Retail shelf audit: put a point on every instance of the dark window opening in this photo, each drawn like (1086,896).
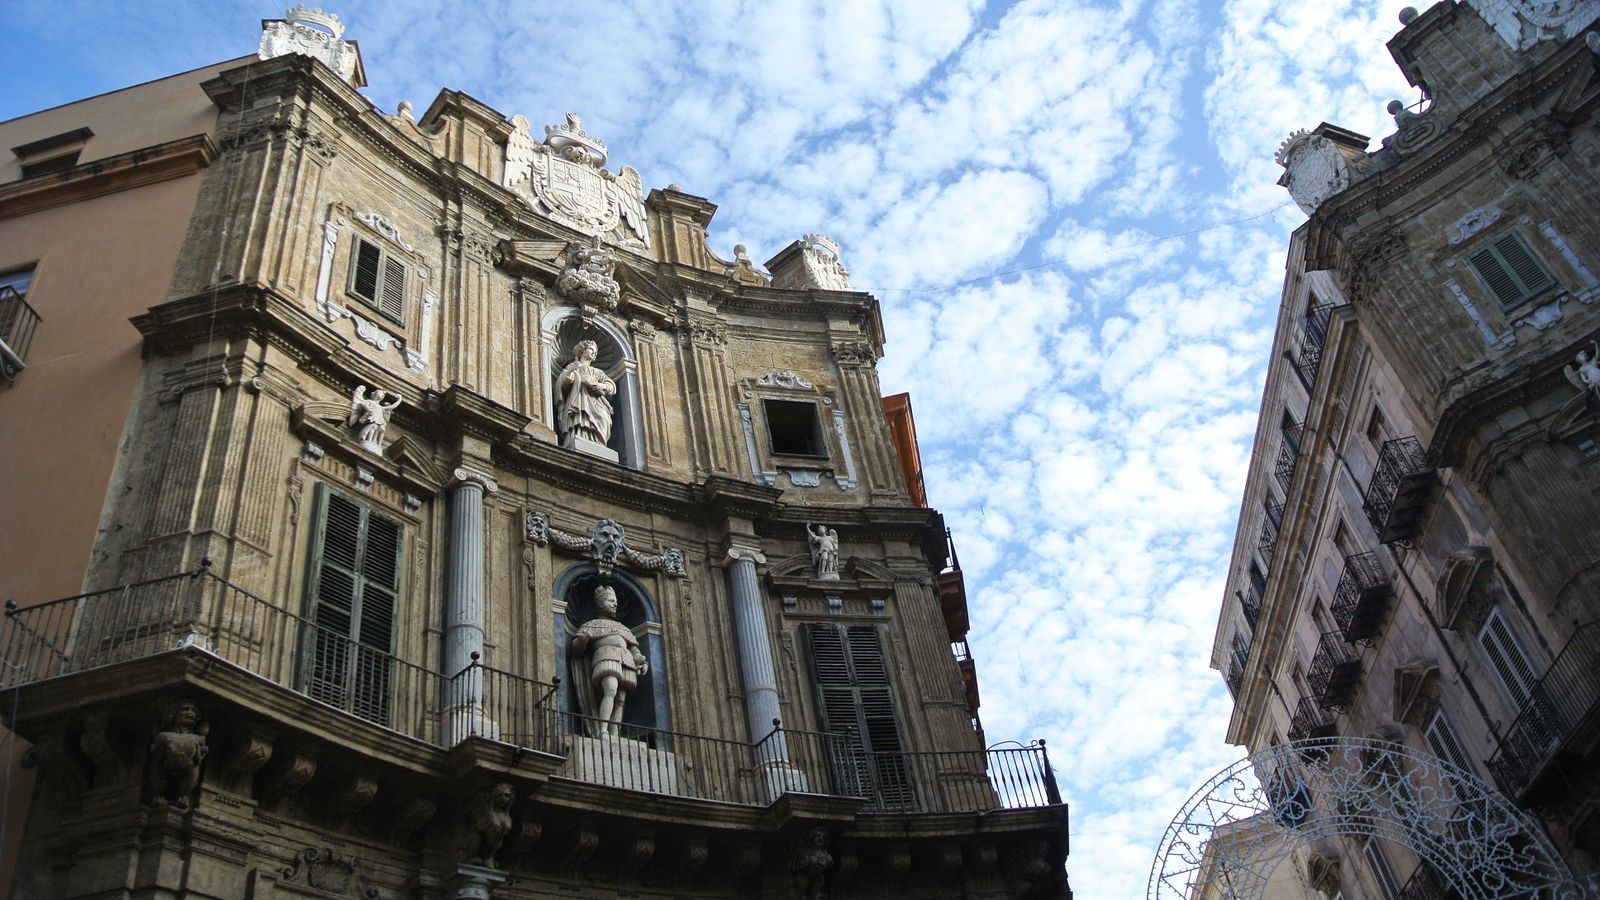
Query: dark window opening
(793,428)
(378,280)
(50,166)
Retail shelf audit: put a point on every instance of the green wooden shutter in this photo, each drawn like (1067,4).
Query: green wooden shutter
(364,275)
(392,301)
(354,588)
(855,697)
(1510,271)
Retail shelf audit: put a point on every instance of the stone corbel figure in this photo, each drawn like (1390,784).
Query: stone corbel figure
(824,551)
(369,416)
(488,823)
(176,752)
(589,279)
(1586,377)
(585,399)
(607,664)
(809,865)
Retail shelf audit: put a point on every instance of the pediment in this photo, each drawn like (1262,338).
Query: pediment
(1465,589)
(1416,692)
(412,458)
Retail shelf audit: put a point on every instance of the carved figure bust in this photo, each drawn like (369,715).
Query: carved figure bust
(369,416)
(1586,376)
(809,865)
(608,663)
(488,823)
(176,752)
(824,551)
(585,398)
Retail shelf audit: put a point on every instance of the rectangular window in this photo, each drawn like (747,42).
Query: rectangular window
(1510,270)
(49,166)
(18,320)
(1506,656)
(1388,884)
(793,428)
(855,699)
(56,153)
(379,280)
(353,586)
(1445,744)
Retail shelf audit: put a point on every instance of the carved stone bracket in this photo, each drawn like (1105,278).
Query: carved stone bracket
(606,546)
(857,353)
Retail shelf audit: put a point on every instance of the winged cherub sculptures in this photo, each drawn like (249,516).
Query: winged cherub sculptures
(1586,376)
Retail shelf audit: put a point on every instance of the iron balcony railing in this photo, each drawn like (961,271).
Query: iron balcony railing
(1288,455)
(1563,702)
(1288,796)
(1313,333)
(1250,603)
(1270,525)
(1425,884)
(1399,489)
(1235,676)
(1335,672)
(201,610)
(1362,598)
(1311,721)
(18,321)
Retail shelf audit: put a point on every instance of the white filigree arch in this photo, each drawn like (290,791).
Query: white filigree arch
(1251,817)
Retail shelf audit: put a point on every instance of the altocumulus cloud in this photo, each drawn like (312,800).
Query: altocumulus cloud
(1086,418)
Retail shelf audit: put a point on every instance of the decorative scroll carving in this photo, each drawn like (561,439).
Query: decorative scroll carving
(1472,223)
(386,228)
(858,353)
(819,267)
(606,546)
(327,870)
(744,270)
(783,379)
(1523,23)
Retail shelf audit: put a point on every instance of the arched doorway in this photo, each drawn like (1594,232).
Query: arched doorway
(1250,818)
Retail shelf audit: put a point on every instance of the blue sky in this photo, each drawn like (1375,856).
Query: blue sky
(1069,212)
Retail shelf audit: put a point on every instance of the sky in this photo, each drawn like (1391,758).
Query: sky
(1069,213)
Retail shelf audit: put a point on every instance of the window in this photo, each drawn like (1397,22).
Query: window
(793,428)
(1508,268)
(353,585)
(56,153)
(1507,658)
(1444,743)
(17,320)
(1377,427)
(379,280)
(1388,884)
(855,699)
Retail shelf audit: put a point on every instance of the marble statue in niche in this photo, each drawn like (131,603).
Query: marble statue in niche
(176,752)
(1586,376)
(824,551)
(607,663)
(369,416)
(586,402)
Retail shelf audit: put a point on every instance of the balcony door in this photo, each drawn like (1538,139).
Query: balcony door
(855,699)
(352,588)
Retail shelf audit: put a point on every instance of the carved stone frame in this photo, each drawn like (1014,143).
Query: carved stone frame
(786,471)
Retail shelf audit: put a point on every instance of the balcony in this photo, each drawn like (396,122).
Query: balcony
(1270,526)
(953,595)
(351,689)
(1362,598)
(1399,489)
(1250,603)
(1563,707)
(1426,884)
(1235,675)
(1311,722)
(1288,455)
(18,321)
(1289,798)
(1335,672)
(1308,355)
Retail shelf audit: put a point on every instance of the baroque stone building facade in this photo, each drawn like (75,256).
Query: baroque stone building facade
(461,525)
(1417,558)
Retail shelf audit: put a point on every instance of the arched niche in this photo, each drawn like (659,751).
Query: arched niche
(647,705)
(560,332)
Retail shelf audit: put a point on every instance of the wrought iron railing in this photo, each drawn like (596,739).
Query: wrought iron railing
(1288,455)
(1335,671)
(1563,700)
(1398,489)
(1425,884)
(1311,721)
(1362,597)
(1235,676)
(1270,525)
(1308,355)
(18,321)
(1250,603)
(201,610)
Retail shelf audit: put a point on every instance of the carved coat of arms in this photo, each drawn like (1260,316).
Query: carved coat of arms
(565,178)
(1314,169)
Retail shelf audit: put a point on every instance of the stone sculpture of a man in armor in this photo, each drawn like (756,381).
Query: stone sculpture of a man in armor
(608,661)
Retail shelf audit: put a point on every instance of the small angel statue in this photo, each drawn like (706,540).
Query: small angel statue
(1586,377)
(369,416)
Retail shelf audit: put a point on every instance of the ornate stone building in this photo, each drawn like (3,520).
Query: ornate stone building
(451,521)
(1418,559)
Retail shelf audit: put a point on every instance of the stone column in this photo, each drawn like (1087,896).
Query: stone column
(463,607)
(757,672)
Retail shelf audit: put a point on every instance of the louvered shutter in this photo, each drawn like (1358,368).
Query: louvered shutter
(1510,271)
(392,302)
(1382,872)
(879,725)
(855,698)
(368,267)
(354,588)
(1505,655)
(1444,743)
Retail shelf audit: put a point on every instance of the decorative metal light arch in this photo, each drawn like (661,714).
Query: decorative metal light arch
(1249,818)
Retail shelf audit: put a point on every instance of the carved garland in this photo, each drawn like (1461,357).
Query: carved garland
(606,546)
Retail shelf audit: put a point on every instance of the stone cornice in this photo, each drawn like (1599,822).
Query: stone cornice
(125,171)
(477,415)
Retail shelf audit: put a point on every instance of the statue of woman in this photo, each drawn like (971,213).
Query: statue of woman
(608,661)
(585,393)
